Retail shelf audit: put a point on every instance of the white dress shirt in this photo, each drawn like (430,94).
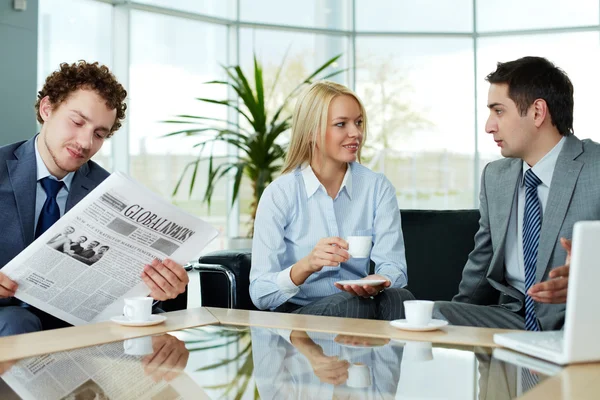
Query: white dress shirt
(295,212)
(513,255)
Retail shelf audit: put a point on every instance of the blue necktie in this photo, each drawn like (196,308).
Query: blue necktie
(532,223)
(50,212)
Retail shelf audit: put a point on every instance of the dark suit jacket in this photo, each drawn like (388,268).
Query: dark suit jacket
(18,180)
(574,196)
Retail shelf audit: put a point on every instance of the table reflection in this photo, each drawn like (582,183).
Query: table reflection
(226,362)
(303,365)
(146,367)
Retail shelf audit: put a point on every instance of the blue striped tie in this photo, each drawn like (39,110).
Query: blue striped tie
(532,222)
(50,211)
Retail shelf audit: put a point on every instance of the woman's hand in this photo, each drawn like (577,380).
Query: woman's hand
(330,252)
(366,290)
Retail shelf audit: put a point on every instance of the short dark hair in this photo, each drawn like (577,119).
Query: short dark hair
(532,78)
(83,75)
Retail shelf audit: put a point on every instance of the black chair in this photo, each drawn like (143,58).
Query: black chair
(437,245)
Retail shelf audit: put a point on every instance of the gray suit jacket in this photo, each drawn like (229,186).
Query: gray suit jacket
(574,196)
(18,179)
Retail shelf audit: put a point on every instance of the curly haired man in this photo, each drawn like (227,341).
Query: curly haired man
(80,106)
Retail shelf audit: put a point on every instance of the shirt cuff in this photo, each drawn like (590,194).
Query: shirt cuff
(285,283)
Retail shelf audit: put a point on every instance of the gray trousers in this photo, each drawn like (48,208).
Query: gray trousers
(467,314)
(385,306)
(15,320)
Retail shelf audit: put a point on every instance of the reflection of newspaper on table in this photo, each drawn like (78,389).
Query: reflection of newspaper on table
(100,372)
(82,268)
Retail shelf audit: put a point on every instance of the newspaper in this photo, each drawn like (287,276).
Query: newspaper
(83,267)
(100,372)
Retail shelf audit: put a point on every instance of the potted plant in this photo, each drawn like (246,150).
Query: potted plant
(257,136)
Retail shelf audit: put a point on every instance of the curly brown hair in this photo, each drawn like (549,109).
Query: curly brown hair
(71,77)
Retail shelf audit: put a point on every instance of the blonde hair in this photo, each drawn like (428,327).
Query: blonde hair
(309,121)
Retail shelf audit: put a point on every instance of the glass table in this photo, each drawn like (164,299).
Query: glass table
(234,362)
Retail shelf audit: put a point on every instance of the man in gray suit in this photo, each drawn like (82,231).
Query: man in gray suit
(80,106)
(514,276)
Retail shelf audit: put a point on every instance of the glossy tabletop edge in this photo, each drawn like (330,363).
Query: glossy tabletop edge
(453,335)
(52,341)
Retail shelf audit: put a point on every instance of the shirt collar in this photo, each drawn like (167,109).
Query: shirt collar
(544,169)
(42,170)
(312,183)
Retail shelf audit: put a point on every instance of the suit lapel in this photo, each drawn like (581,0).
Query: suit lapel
(506,187)
(80,186)
(564,178)
(23,179)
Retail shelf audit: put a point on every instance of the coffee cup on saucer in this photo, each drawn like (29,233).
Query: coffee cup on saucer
(138,308)
(359,246)
(417,351)
(418,312)
(359,376)
(138,346)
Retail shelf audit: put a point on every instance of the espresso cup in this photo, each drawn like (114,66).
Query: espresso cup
(359,376)
(139,346)
(418,312)
(138,308)
(359,246)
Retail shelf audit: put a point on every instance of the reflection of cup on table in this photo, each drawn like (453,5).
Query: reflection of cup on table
(418,312)
(359,376)
(138,308)
(138,346)
(359,246)
(417,351)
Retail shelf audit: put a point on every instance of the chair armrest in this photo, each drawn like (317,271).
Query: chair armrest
(229,269)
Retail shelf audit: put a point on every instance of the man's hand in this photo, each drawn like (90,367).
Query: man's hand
(365,290)
(165,279)
(8,287)
(554,290)
(6,365)
(168,359)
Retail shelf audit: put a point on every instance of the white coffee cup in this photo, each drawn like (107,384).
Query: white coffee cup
(138,346)
(359,376)
(417,351)
(359,246)
(138,308)
(418,312)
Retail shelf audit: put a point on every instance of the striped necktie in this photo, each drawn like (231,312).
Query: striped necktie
(532,223)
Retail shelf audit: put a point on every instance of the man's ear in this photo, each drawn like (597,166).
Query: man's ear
(540,112)
(45,108)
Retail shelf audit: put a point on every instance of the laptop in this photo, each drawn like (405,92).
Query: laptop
(579,341)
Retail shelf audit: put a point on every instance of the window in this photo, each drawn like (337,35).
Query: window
(57,44)
(419,97)
(171,59)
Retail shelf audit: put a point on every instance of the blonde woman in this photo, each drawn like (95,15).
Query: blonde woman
(323,196)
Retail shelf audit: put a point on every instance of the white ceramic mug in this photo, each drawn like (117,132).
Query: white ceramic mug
(359,376)
(418,312)
(138,308)
(138,346)
(359,246)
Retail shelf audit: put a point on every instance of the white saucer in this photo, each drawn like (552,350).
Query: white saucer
(432,326)
(363,282)
(155,319)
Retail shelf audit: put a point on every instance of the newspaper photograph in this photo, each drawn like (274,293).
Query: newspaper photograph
(102,372)
(81,269)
